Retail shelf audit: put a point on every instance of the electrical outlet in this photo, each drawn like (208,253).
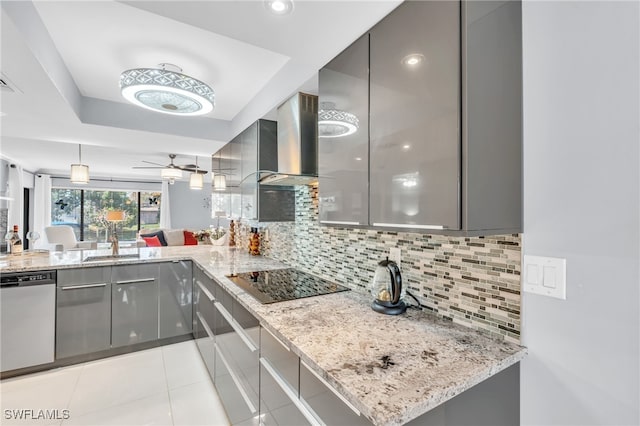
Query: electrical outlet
(394,255)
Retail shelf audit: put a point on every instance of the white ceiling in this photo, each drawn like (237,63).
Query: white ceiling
(63,60)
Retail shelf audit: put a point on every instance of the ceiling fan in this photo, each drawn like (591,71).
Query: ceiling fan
(193,168)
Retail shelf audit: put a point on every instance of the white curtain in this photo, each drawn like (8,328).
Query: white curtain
(165,210)
(42,208)
(16,193)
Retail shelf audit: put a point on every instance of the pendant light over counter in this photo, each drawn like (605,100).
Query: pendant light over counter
(196,181)
(163,90)
(79,172)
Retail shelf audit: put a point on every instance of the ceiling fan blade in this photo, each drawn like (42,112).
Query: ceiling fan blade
(151,162)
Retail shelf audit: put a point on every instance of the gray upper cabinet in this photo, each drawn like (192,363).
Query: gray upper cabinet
(445,122)
(492,116)
(134,304)
(83,311)
(175,289)
(343,159)
(252,151)
(415,117)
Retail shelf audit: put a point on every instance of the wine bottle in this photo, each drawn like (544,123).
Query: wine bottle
(15,242)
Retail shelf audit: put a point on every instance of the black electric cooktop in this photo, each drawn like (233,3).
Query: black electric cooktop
(279,285)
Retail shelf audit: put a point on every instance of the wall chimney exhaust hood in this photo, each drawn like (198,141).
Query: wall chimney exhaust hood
(297,142)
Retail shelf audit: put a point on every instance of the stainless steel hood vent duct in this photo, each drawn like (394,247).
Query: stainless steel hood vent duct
(297,142)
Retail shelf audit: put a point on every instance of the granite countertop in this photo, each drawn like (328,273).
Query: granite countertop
(391,368)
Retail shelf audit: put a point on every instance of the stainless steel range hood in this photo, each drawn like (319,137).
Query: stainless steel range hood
(297,142)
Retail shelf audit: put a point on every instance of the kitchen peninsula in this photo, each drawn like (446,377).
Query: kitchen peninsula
(390,369)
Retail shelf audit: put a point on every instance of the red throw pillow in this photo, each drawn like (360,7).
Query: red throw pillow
(152,241)
(190,239)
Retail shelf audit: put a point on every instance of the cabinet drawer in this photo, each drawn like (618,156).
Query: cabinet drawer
(326,402)
(240,402)
(280,357)
(205,342)
(84,276)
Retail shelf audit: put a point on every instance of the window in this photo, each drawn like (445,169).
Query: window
(66,209)
(149,210)
(85,211)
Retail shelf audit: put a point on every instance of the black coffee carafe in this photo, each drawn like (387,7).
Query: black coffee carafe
(386,289)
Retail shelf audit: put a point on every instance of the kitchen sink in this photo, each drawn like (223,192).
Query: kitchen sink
(110,257)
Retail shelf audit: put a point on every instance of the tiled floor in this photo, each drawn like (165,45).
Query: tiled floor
(161,386)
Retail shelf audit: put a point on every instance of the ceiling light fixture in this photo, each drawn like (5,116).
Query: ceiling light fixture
(279,7)
(171,174)
(196,181)
(163,90)
(334,123)
(79,172)
(413,60)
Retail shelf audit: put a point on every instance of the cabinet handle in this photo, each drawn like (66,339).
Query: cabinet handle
(306,411)
(141,280)
(78,287)
(205,325)
(206,291)
(236,381)
(236,327)
(331,388)
(402,225)
(277,340)
(339,222)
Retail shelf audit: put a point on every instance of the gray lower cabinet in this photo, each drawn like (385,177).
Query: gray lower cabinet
(175,288)
(83,311)
(327,403)
(279,378)
(134,304)
(236,358)
(204,318)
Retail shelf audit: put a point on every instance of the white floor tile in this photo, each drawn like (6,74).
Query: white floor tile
(127,390)
(197,404)
(50,390)
(151,410)
(118,380)
(183,364)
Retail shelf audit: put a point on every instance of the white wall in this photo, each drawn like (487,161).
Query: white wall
(188,207)
(581,202)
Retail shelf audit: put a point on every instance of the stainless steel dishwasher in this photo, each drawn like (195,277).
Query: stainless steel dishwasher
(27,319)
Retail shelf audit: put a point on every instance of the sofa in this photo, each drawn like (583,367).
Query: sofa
(167,237)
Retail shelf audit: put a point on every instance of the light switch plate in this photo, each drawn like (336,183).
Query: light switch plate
(545,275)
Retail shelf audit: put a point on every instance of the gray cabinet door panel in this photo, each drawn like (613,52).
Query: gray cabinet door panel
(134,304)
(175,288)
(83,319)
(415,117)
(84,276)
(343,161)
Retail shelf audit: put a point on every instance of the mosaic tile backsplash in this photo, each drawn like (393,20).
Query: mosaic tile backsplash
(473,281)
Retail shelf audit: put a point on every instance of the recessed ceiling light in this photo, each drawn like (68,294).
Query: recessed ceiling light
(279,7)
(358,158)
(413,59)
(406,147)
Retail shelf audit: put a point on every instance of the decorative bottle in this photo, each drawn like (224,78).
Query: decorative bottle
(254,242)
(232,233)
(15,242)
